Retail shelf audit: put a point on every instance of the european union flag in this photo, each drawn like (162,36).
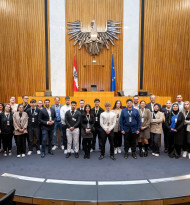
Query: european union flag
(113,84)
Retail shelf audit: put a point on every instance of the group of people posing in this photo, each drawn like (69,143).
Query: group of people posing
(138,123)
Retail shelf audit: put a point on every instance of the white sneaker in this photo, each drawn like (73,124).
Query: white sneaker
(156,155)
(119,150)
(65,152)
(10,152)
(62,147)
(38,152)
(189,155)
(184,154)
(153,154)
(91,150)
(129,149)
(72,151)
(5,154)
(115,151)
(54,147)
(18,156)
(23,155)
(29,152)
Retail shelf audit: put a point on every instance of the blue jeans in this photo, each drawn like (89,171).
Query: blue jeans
(47,134)
(57,126)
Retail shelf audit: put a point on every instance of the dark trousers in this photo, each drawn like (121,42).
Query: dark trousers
(21,143)
(7,141)
(172,146)
(111,141)
(1,140)
(87,145)
(27,139)
(117,139)
(186,142)
(166,136)
(34,138)
(64,127)
(98,131)
(155,139)
(47,134)
(130,141)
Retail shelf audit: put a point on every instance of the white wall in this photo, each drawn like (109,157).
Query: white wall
(57,47)
(130,46)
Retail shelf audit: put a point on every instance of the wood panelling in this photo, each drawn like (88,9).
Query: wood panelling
(22,48)
(167,48)
(94,73)
(104,97)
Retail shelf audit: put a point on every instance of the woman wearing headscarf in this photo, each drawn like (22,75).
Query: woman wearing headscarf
(175,124)
(156,130)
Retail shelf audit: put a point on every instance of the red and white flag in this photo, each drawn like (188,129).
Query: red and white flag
(75,77)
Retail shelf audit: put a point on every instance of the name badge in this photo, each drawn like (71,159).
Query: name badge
(175,120)
(50,118)
(73,119)
(130,119)
(56,114)
(8,122)
(96,119)
(33,119)
(142,119)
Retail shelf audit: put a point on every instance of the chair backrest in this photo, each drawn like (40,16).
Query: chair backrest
(8,198)
(93,88)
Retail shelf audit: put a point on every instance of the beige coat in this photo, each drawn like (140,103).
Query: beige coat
(156,124)
(118,114)
(20,125)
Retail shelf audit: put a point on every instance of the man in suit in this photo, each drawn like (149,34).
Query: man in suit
(81,110)
(96,111)
(47,118)
(150,105)
(57,125)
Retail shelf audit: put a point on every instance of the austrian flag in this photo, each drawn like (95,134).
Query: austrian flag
(75,77)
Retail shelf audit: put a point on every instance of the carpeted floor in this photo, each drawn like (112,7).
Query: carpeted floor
(58,167)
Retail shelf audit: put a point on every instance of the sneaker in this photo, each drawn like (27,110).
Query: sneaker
(18,156)
(10,152)
(91,150)
(126,155)
(101,157)
(153,154)
(23,155)
(184,154)
(76,155)
(38,152)
(119,150)
(156,155)
(68,155)
(65,151)
(62,147)
(189,155)
(115,151)
(72,151)
(29,152)
(54,147)
(134,155)
(5,154)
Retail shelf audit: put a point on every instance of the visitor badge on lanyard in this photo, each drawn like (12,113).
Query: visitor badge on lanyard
(96,119)
(130,119)
(8,122)
(50,118)
(33,119)
(56,114)
(142,119)
(175,120)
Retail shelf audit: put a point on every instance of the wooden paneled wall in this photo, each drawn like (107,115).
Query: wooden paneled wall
(22,48)
(94,73)
(167,48)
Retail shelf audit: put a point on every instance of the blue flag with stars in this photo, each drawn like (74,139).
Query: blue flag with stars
(113,83)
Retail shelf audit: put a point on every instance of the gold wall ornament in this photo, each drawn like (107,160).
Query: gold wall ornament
(93,41)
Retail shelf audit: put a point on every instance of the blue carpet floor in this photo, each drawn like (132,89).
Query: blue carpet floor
(58,167)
